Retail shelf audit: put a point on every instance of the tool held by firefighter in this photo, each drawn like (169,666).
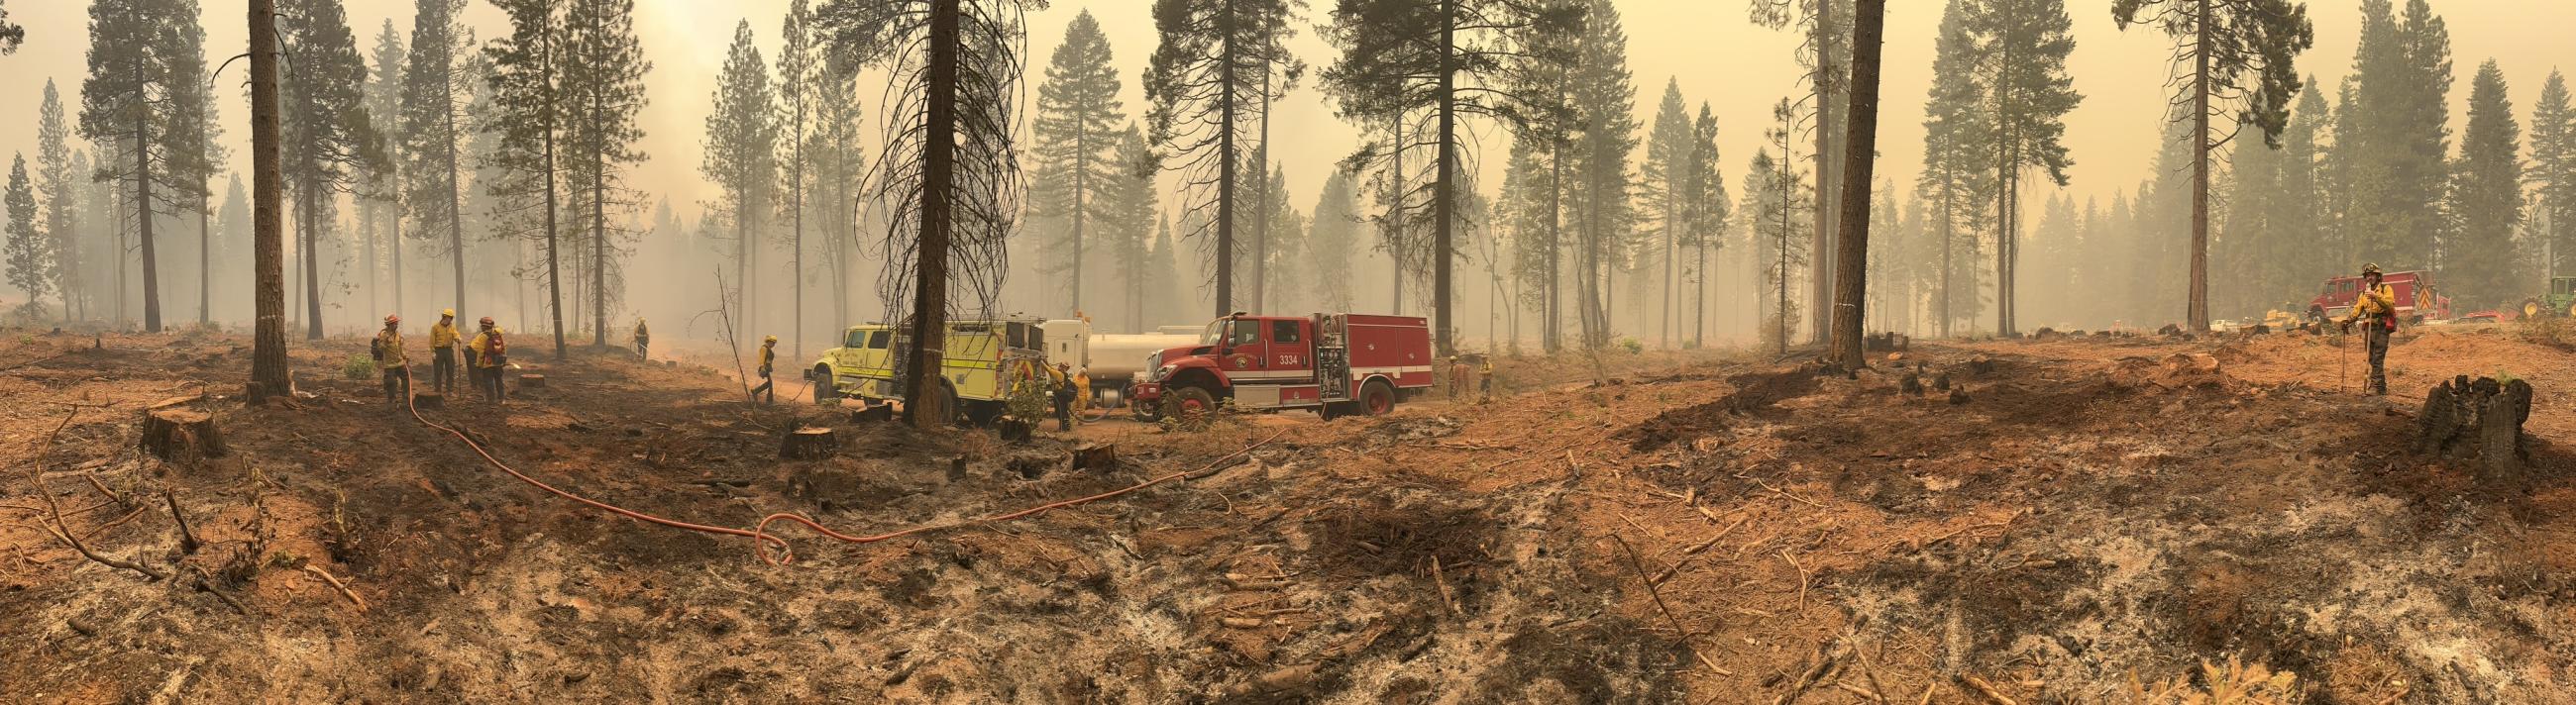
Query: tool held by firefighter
(490,356)
(2376,311)
(442,352)
(388,352)
(768,357)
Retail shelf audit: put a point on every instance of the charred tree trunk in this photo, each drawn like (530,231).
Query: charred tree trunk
(1554,327)
(1860,149)
(1445,209)
(268,352)
(1225,168)
(1828,186)
(921,398)
(455,211)
(2196,314)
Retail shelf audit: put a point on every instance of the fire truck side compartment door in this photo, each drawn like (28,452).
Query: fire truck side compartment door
(1256,396)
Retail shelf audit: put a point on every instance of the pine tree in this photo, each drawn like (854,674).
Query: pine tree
(2399,144)
(1954,154)
(1449,60)
(268,370)
(529,118)
(1075,131)
(2477,249)
(1216,58)
(2266,243)
(2220,42)
(2021,57)
(1858,172)
(1128,205)
(233,247)
(22,247)
(1704,214)
(434,94)
(1772,196)
(328,135)
(2553,172)
(380,196)
(741,153)
(1334,235)
(1666,171)
(1604,95)
(1825,56)
(11,35)
(838,165)
(54,179)
(603,91)
(795,92)
(137,64)
(950,164)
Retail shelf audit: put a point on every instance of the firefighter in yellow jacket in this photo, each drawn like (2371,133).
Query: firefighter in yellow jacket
(388,352)
(2376,311)
(442,352)
(768,358)
(491,355)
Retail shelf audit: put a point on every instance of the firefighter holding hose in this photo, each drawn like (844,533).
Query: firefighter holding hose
(388,351)
(2376,311)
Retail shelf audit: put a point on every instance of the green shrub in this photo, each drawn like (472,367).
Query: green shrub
(358,367)
(1631,345)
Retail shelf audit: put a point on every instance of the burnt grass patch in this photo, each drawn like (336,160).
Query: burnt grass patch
(1385,537)
(1754,395)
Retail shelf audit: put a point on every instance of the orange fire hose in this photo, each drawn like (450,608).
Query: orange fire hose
(762,541)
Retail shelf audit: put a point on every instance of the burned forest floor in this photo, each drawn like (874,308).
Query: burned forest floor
(2071,520)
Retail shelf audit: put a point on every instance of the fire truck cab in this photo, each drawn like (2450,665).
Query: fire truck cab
(2417,299)
(1335,363)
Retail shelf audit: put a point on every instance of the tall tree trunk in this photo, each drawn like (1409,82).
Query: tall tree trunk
(939,162)
(307,199)
(455,204)
(368,219)
(1828,186)
(796,213)
(1082,192)
(1554,327)
(1699,300)
(599,231)
(1261,217)
(1860,149)
(205,259)
(1395,215)
(268,337)
(143,200)
(1225,167)
(1445,211)
(2196,315)
(554,280)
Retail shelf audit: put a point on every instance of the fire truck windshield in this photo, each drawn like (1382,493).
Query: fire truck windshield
(1245,332)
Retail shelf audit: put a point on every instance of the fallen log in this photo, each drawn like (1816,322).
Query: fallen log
(173,434)
(532,381)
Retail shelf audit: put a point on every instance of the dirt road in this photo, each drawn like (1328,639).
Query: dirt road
(2063,527)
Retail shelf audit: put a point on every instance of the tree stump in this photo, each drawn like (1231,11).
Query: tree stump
(872,413)
(532,381)
(1099,456)
(428,400)
(1014,429)
(175,434)
(809,443)
(2480,419)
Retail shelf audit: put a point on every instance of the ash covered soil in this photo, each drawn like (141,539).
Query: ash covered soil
(2078,524)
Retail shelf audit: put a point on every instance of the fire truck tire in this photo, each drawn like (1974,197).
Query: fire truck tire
(827,391)
(2531,309)
(1376,398)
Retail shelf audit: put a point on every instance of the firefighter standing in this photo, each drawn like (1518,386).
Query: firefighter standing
(2376,311)
(388,352)
(768,357)
(1457,378)
(643,340)
(442,352)
(1485,376)
(489,354)
(1063,397)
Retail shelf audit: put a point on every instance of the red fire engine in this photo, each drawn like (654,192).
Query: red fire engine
(1336,363)
(2417,300)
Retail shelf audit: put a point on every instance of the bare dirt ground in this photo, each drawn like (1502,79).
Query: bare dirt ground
(2072,527)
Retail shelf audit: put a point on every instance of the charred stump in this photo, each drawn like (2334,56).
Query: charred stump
(1095,456)
(872,413)
(809,443)
(2477,419)
(1014,429)
(428,400)
(174,434)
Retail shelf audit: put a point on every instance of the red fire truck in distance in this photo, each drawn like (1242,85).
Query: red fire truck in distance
(1338,364)
(2417,299)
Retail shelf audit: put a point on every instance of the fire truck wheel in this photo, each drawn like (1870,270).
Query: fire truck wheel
(825,390)
(2531,309)
(1376,399)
